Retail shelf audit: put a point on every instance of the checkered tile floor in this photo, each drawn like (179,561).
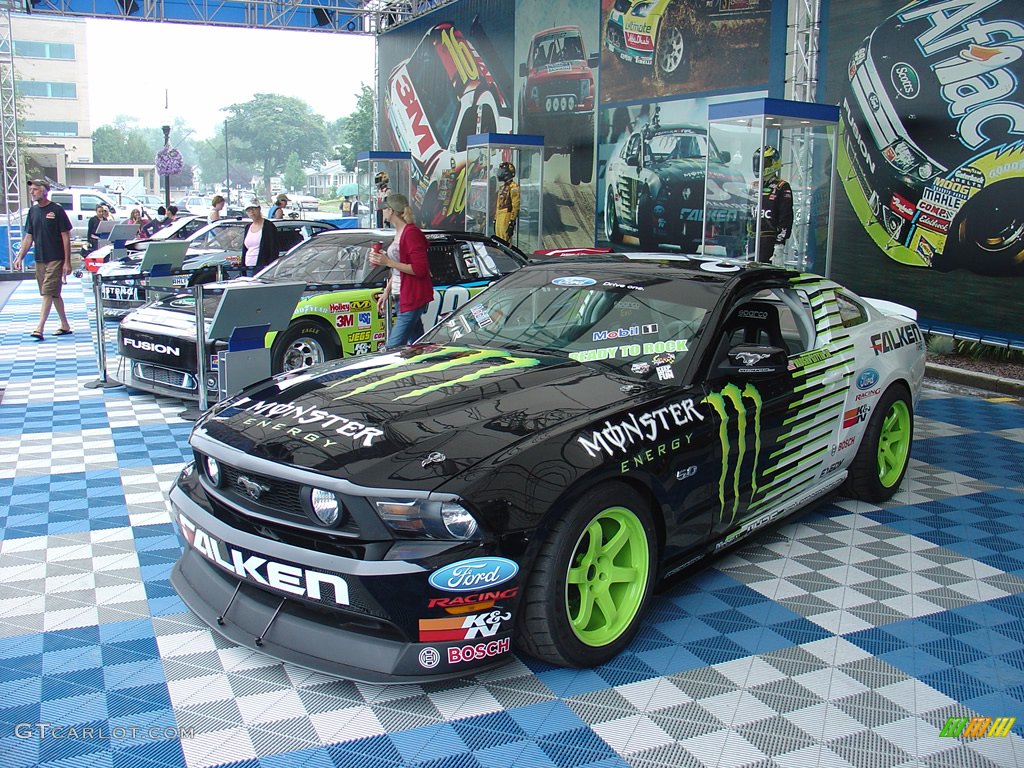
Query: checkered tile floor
(845,638)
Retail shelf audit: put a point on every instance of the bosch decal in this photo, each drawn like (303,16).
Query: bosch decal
(479,652)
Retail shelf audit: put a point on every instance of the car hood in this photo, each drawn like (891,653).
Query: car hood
(681,171)
(410,419)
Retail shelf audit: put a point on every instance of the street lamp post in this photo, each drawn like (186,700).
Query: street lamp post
(167,179)
(227,164)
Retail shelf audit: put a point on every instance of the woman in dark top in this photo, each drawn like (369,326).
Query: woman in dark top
(260,244)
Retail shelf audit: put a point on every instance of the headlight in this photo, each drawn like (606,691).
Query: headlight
(925,171)
(325,506)
(421,519)
(213,470)
(640,10)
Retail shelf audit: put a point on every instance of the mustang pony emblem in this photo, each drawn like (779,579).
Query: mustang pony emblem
(750,358)
(252,488)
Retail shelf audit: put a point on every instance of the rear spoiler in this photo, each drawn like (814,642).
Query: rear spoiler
(892,308)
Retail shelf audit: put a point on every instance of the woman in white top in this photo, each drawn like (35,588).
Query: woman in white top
(260,243)
(217,205)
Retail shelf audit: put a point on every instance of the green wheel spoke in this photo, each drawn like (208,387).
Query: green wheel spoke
(609,609)
(623,574)
(586,608)
(616,542)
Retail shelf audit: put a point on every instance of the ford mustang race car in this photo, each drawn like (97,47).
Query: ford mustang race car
(336,317)
(524,475)
(558,96)
(663,33)
(932,126)
(218,244)
(655,190)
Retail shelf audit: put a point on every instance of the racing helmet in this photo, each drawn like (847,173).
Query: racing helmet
(381,179)
(506,171)
(772,161)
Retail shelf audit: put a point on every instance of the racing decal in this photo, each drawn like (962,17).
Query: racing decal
(474,574)
(286,416)
(731,405)
(888,341)
(479,652)
(419,364)
(746,528)
(867,378)
(475,602)
(649,455)
(622,333)
(632,350)
(809,358)
(855,416)
(842,445)
(867,393)
(574,282)
(256,569)
(151,346)
(612,439)
(429,658)
(344,321)
(473,627)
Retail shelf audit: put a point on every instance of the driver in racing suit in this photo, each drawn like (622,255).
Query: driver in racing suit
(776,206)
(506,208)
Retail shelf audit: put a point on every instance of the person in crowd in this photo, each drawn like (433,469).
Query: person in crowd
(261,246)
(277,209)
(216,206)
(92,233)
(135,217)
(152,226)
(408,255)
(49,229)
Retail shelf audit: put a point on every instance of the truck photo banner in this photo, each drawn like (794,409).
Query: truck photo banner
(931,157)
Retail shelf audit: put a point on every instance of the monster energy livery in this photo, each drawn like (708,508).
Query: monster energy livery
(522,477)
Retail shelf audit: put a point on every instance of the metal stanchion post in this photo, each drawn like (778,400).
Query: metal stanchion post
(191,414)
(101,338)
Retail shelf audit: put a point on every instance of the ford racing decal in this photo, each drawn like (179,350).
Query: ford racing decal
(573,282)
(867,379)
(474,575)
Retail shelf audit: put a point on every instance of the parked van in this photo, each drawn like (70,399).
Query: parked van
(80,204)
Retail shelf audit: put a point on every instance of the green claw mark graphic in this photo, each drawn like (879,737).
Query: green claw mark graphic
(732,395)
(403,369)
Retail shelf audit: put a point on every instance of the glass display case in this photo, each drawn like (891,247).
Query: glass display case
(377,175)
(777,198)
(505,175)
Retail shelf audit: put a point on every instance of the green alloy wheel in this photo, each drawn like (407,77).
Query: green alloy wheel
(884,453)
(591,580)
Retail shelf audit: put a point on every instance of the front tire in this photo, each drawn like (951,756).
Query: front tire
(591,581)
(611,218)
(303,344)
(645,222)
(884,453)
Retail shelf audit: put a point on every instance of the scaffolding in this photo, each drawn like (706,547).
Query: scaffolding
(12,212)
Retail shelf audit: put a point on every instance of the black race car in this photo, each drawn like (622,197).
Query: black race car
(524,475)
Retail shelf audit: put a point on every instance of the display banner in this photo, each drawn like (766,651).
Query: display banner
(931,157)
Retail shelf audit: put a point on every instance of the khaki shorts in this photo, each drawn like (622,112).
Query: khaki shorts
(50,276)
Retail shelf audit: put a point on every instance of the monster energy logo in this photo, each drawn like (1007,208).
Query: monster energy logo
(448,359)
(731,406)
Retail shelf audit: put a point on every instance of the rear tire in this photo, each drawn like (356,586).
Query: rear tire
(884,454)
(611,218)
(591,581)
(645,222)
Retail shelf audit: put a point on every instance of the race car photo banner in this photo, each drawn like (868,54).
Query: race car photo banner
(931,157)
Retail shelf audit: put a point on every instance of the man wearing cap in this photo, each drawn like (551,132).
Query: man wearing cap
(48,227)
(277,209)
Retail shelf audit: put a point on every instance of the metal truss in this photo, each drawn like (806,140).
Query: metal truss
(12,214)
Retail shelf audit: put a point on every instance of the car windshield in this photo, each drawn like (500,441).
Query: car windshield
(678,146)
(327,260)
(631,323)
(228,237)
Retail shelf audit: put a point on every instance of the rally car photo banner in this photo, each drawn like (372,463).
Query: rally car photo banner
(931,157)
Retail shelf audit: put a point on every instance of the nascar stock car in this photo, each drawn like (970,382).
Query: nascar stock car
(663,33)
(436,99)
(656,183)
(523,475)
(558,95)
(336,317)
(932,126)
(211,249)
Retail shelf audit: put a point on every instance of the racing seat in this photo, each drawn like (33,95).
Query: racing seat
(753,322)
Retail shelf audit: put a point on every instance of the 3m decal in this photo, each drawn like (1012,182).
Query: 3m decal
(462,627)
(612,438)
(731,405)
(474,574)
(479,651)
(976,727)
(345,321)
(251,567)
(452,358)
(855,416)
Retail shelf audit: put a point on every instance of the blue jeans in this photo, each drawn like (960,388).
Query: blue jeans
(408,327)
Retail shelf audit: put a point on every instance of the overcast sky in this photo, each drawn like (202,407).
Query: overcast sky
(204,69)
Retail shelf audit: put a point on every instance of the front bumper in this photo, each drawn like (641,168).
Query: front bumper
(359,640)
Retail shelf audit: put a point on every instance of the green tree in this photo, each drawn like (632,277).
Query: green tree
(294,178)
(122,142)
(270,127)
(357,132)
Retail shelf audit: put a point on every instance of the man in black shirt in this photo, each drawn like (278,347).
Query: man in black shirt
(48,227)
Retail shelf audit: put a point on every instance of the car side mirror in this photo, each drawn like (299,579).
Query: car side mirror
(726,156)
(754,361)
(522,70)
(593,60)
(633,159)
